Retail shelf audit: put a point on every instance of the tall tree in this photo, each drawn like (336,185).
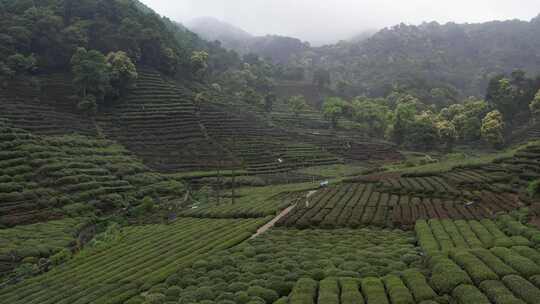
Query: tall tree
(447,133)
(123,73)
(373,115)
(492,128)
(297,104)
(404,116)
(534,106)
(91,73)
(333,109)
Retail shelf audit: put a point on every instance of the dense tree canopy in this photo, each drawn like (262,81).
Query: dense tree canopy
(333,109)
(492,128)
(52,30)
(297,104)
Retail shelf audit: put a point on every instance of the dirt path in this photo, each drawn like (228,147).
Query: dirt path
(271,224)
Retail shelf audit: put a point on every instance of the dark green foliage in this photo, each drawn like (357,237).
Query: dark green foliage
(476,269)
(465,294)
(522,288)
(268,295)
(533,189)
(373,290)
(417,284)
(493,262)
(328,291)
(498,293)
(284,300)
(397,291)
(535,280)
(425,237)
(446,275)
(350,291)
(304,292)
(91,73)
(523,265)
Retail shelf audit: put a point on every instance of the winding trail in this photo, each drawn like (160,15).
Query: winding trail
(271,224)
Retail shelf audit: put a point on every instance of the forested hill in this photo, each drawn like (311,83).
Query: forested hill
(455,59)
(279,49)
(460,57)
(45,34)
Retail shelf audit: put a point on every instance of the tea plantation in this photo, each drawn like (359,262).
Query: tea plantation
(164,196)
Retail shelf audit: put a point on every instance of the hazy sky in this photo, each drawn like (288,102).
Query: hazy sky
(332,20)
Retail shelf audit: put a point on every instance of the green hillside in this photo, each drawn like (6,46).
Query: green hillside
(141,164)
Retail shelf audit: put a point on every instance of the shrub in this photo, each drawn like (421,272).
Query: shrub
(446,275)
(154,298)
(493,262)
(78,209)
(425,237)
(528,252)
(523,265)
(204,293)
(282,287)
(283,300)
(328,291)
(444,240)
(268,295)
(399,294)
(467,294)
(172,280)
(468,234)
(476,269)
(498,293)
(533,189)
(173,292)
(350,293)
(483,234)
(522,288)
(304,292)
(60,257)
(146,206)
(242,297)
(519,240)
(535,280)
(373,289)
(418,285)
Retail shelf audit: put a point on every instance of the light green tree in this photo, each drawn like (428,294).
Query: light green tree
(333,109)
(447,133)
(534,106)
(492,128)
(91,73)
(123,73)
(297,104)
(422,131)
(375,116)
(199,63)
(403,118)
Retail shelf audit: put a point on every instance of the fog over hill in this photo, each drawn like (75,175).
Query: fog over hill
(326,22)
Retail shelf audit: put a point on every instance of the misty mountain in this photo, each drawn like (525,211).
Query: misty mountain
(460,58)
(212,29)
(278,48)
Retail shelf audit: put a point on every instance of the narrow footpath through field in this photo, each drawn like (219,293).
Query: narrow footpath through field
(271,224)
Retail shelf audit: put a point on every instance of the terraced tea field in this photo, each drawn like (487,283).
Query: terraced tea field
(46,177)
(269,267)
(355,205)
(45,109)
(158,122)
(38,240)
(141,257)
